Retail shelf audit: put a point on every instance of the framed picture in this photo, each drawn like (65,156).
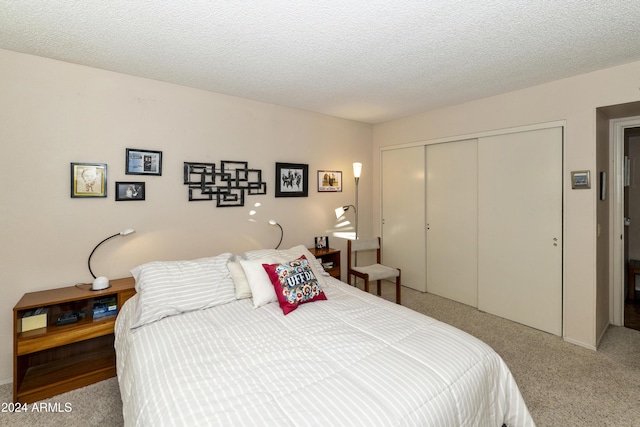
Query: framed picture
(129,191)
(88,180)
(329,181)
(580,180)
(322,242)
(143,162)
(292,180)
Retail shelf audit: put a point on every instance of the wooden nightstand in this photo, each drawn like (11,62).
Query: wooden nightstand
(329,255)
(56,359)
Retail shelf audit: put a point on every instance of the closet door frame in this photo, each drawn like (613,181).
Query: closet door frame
(478,135)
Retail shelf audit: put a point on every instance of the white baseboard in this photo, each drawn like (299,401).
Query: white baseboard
(581,344)
(604,331)
(6,381)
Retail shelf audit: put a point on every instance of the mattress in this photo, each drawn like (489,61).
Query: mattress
(354,359)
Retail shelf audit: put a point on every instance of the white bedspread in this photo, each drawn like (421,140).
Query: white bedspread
(354,359)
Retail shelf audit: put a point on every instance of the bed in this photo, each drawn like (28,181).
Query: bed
(190,353)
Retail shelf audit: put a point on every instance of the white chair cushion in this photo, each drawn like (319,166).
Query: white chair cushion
(364,244)
(377,271)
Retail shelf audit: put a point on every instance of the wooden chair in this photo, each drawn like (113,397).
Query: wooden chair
(373,272)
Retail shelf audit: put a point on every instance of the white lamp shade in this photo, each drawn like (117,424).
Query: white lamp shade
(339,211)
(357,168)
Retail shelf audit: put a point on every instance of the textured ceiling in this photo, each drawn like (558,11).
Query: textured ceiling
(369,61)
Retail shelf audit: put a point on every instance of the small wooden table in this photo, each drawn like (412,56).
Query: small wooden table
(329,255)
(633,267)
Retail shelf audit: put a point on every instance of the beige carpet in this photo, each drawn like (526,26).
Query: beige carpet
(563,384)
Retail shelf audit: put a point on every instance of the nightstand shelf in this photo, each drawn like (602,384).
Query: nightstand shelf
(44,380)
(328,255)
(55,359)
(56,336)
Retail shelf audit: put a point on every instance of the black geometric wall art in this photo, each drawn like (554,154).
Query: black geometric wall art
(227,184)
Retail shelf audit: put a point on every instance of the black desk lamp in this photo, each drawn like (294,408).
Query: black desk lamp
(102,282)
(273,222)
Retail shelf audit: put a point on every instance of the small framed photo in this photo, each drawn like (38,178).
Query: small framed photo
(88,180)
(322,242)
(143,162)
(292,180)
(329,181)
(580,180)
(129,191)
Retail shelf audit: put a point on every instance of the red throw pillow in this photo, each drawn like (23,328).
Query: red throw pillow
(294,283)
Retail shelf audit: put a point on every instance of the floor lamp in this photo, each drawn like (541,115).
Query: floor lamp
(357,168)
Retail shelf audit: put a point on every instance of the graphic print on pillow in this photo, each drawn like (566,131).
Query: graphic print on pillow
(294,283)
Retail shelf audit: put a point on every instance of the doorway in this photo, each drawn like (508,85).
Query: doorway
(618,119)
(632,224)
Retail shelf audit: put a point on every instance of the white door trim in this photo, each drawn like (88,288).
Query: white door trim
(478,135)
(617,262)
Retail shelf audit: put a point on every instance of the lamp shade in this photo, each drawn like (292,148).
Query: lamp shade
(342,209)
(357,169)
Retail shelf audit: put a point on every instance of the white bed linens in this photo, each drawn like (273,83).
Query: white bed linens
(354,359)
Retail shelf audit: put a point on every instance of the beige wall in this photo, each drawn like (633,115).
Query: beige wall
(574,101)
(54,113)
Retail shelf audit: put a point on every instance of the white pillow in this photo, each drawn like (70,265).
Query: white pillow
(259,254)
(285,255)
(262,290)
(239,280)
(167,288)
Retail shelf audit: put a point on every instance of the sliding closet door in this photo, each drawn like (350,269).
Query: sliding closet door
(452,221)
(520,227)
(403,235)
